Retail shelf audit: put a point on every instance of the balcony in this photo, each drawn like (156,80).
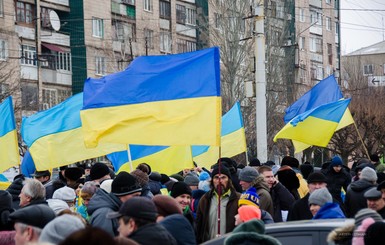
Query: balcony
(61,2)
(316,3)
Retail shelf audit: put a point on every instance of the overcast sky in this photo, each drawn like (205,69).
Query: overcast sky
(361,25)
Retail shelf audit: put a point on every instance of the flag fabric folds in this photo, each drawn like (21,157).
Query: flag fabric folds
(55,136)
(27,166)
(163,159)
(158,100)
(316,126)
(9,149)
(233,139)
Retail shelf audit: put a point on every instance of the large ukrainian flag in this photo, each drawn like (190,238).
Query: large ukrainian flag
(9,149)
(233,140)
(55,136)
(163,159)
(316,126)
(158,100)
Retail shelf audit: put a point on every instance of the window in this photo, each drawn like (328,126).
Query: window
(164,10)
(316,17)
(190,16)
(317,71)
(180,14)
(280,10)
(49,98)
(149,38)
(147,5)
(28,55)
(1,8)
(3,50)
(337,28)
(302,15)
(100,65)
(97,27)
(165,41)
(330,53)
(29,96)
(24,12)
(328,23)
(122,31)
(63,61)
(273,9)
(45,21)
(368,69)
(301,43)
(217,20)
(315,45)
(327,1)
(185,46)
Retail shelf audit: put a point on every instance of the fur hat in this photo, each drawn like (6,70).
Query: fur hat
(73,173)
(320,197)
(191,179)
(249,197)
(248,174)
(35,215)
(58,229)
(99,170)
(180,188)
(140,176)
(306,170)
(368,174)
(255,162)
(336,161)
(125,184)
(166,205)
(248,212)
(39,174)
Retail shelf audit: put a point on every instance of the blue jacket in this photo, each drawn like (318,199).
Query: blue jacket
(330,210)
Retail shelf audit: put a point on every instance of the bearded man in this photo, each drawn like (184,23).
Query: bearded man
(207,214)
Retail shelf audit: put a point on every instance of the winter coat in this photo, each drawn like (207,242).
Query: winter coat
(282,200)
(263,191)
(152,234)
(203,214)
(341,235)
(196,196)
(180,229)
(300,210)
(337,181)
(15,189)
(7,237)
(354,199)
(99,206)
(330,210)
(266,217)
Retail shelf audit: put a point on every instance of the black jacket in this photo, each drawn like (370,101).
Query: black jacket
(282,200)
(336,181)
(300,210)
(354,199)
(152,234)
(180,228)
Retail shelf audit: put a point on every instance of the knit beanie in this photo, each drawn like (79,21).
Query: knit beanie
(248,212)
(248,174)
(180,188)
(320,197)
(249,197)
(73,173)
(366,213)
(166,205)
(368,174)
(125,184)
(59,228)
(99,170)
(336,161)
(255,162)
(306,170)
(191,179)
(375,233)
(204,176)
(224,171)
(316,177)
(140,176)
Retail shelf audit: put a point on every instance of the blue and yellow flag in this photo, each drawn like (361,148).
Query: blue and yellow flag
(163,159)
(158,100)
(55,136)
(9,149)
(316,126)
(233,140)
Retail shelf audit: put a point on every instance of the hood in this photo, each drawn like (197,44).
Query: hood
(360,185)
(259,182)
(341,234)
(102,199)
(180,228)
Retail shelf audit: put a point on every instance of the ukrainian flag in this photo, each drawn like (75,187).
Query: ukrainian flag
(316,126)
(158,100)
(233,139)
(9,149)
(55,136)
(163,159)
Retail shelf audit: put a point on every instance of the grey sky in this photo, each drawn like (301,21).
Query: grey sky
(361,28)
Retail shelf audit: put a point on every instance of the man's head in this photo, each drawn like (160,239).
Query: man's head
(32,190)
(318,198)
(30,221)
(125,186)
(99,172)
(66,194)
(268,175)
(369,174)
(182,194)
(87,191)
(247,176)
(133,214)
(374,199)
(221,181)
(166,205)
(42,176)
(192,180)
(336,163)
(316,181)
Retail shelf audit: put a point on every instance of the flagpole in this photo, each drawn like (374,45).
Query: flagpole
(359,135)
(220,192)
(129,157)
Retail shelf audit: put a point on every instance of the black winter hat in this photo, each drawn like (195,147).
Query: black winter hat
(5,200)
(98,170)
(35,215)
(73,173)
(180,188)
(125,184)
(306,170)
(137,207)
(316,177)
(375,233)
(224,171)
(43,173)
(228,163)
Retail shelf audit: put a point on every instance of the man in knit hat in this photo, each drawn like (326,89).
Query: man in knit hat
(207,213)
(300,209)
(249,177)
(123,187)
(354,199)
(251,198)
(322,206)
(182,194)
(375,201)
(99,172)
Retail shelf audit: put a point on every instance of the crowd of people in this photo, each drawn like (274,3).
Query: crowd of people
(90,204)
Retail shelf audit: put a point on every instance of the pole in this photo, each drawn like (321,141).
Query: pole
(362,141)
(260,83)
(129,157)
